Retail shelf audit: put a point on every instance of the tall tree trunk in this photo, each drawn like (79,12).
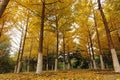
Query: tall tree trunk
(40,54)
(1,29)
(68,56)
(3,6)
(22,52)
(57,46)
(19,52)
(99,46)
(92,51)
(28,63)
(47,59)
(118,35)
(90,57)
(110,42)
(63,51)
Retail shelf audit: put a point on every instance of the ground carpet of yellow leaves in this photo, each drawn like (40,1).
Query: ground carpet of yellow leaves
(63,75)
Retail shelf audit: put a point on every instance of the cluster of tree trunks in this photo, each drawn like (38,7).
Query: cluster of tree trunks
(21,47)
(99,45)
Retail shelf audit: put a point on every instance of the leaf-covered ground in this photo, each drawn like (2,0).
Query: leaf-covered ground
(63,75)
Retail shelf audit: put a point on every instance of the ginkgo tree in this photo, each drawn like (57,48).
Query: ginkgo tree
(110,42)
(85,24)
(48,46)
(58,20)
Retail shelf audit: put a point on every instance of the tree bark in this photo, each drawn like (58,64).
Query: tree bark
(47,59)
(102,62)
(57,45)
(40,54)
(3,7)
(99,46)
(90,57)
(68,56)
(22,52)
(118,35)
(92,51)
(63,51)
(28,63)
(1,29)
(110,42)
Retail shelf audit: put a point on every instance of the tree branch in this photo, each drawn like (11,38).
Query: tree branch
(28,8)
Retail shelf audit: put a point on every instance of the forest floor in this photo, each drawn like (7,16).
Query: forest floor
(63,75)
